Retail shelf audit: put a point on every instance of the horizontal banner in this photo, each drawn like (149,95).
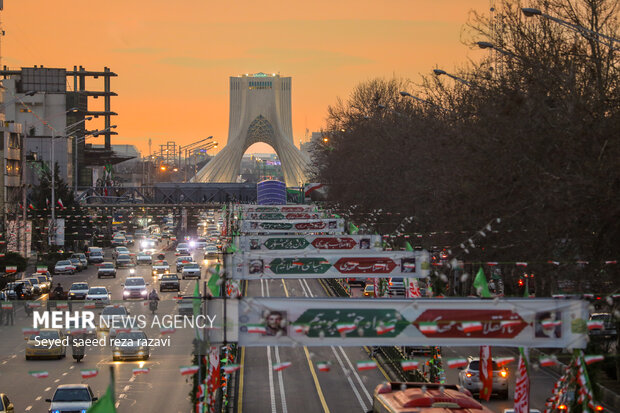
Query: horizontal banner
(422,322)
(319,264)
(314,226)
(280,215)
(310,243)
(245,208)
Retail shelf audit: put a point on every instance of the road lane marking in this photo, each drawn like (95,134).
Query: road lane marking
(47,389)
(285,289)
(65,373)
(56,381)
(122,396)
(28,408)
(71,368)
(357,394)
(38,398)
(381,369)
(126,388)
(357,376)
(281,380)
(117,404)
(271,388)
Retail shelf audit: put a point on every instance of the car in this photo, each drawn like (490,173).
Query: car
(118,240)
(201,243)
(140,234)
(35,348)
(160,267)
(113,317)
(99,295)
(148,245)
(211,251)
(71,398)
(182,249)
(369,290)
(169,282)
(609,326)
(396,286)
(96,256)
(134,287)
(106,269)
(34,282)
(77,263)
(182,260)
(131,345)
(120,250)
(191,270)
(26,294)
(5,404)
(144,258)
(469,378)
(78,291)
(130,239)
(123,260)
(82,258)
(64,267)
(44,282)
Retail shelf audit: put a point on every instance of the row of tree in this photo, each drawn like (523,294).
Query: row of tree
(531,135)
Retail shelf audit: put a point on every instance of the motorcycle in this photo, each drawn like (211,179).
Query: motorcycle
(153,306)
(78,352)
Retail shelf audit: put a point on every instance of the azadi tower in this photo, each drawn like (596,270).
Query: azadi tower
(260,111)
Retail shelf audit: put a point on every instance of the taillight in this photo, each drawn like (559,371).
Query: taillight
(468,374)
(562,407)
(503,373)
(599,408)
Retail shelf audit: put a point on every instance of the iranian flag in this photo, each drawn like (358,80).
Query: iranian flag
(41,268)
(346,327)
(300,328)
(39,374)
(11,269)
(366,365)
(34,304)
(486,372)
(596,325)
(167,330)
(7,306)
(60,204)
(282,366)
(510,323)
(28,331)
(471,326)
(323,365)
(142,370)
(455,363)
(89,306)
(593,358)
(230,368)
(186,370)
(257,328)
(547,361)
(89,373)
(428,327)
(551,323)
(386,328)
(521,264)
(502,361)
(522,386)
(409,365)
(62,306)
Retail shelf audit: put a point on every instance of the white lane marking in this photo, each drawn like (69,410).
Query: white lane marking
(126,388)
(4,362)
(281,380)
(38,398)
(357,376)
(71,368)
(65,373)
(56,381)
(116,405)
(122,396)
(47,389)
(13,356)
(272,392)
(357,394)
(28,408)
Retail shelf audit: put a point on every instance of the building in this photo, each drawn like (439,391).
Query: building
(308,147)
(260,111)
(55,119)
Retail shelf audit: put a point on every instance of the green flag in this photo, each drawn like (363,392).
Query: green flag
(480,284)
(212,283)
(353,229)
(232,248)
(408,246)
(336,216)
(104,404)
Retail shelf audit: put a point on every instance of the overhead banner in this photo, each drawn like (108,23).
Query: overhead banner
(423,322)
(277,208)
(309,243)
(281,215)
(318,264)
(335,226)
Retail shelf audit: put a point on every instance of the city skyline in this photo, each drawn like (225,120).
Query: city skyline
(174,66)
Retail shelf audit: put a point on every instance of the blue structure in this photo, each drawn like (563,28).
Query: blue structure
(271,193)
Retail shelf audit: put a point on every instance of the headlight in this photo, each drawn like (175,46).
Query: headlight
(71,293)
(143,292)
(125,292)
(55,411)
(117,352)
(192,244)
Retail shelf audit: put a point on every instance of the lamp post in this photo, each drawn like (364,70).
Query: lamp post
(439,72)
(530,12)
(487,45)
(186,147)
(409,95)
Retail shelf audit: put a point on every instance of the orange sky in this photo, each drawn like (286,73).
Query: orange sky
(173,58)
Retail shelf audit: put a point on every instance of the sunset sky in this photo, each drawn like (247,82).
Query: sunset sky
(174,58)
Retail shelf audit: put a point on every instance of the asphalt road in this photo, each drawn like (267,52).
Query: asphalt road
(162,389)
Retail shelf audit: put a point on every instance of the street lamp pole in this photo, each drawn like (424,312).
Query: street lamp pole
(440,72)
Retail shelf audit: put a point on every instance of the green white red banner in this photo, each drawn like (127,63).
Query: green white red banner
(310,243)
(312,226)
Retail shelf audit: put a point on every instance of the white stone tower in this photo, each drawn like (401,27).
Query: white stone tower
(260,111)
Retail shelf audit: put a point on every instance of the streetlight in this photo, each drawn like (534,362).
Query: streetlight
(409,95)
(530,12)
(439,72)
(487,45)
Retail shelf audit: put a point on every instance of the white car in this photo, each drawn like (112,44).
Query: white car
(211,251)
(78,291)
(64,267)
(71,398)
(113,318)
(182,249)
(99,295)
(159,268)
(191,270)
(148,245)
(134,287)
(120,251)
(144,258)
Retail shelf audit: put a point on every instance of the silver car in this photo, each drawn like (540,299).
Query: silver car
(130,346)
(71,398)
(469,377)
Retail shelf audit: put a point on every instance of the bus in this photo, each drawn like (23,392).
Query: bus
(404,397)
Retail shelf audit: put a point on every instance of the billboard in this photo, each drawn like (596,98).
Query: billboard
(518,322)
(320,264)
(334,225)
(310,243)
